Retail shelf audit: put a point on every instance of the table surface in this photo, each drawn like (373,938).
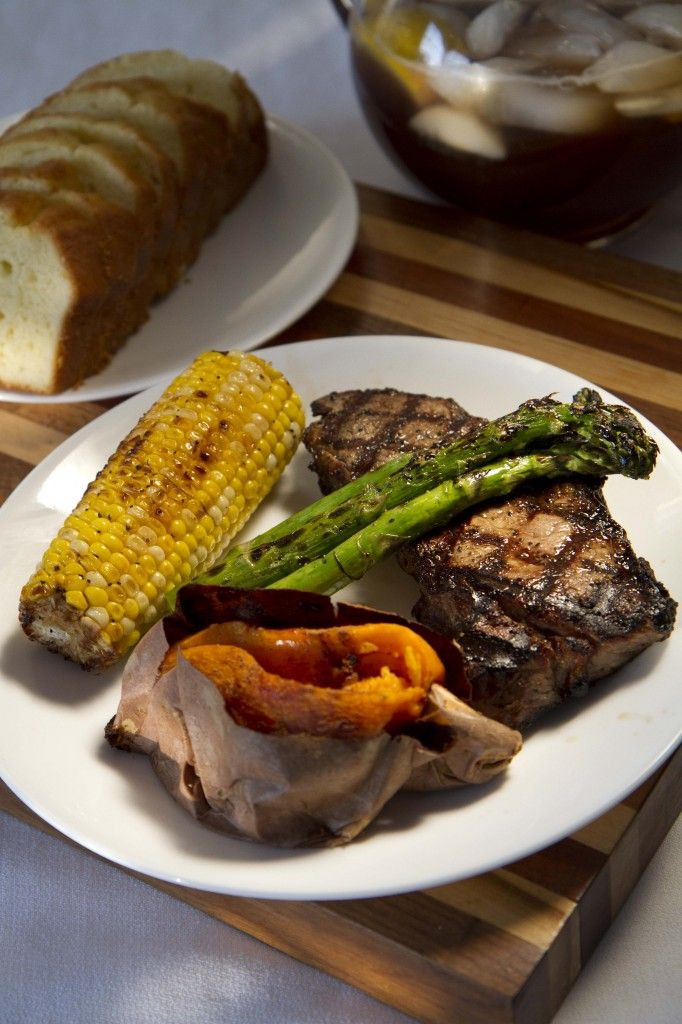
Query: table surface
(82,941)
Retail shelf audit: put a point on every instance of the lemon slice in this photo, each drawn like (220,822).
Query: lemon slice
(416,34)
(408,34)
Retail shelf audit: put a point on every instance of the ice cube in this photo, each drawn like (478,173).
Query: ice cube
(510,65)
(663,103)
(586,19)
(470,86)
(619,6)
(489,31)
(464,85)
(557,51)
(636,66)
(432,47)
(548,107)
(459,130)
(660,23)
(446,13)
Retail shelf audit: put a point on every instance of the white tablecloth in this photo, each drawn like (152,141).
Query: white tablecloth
(80,941)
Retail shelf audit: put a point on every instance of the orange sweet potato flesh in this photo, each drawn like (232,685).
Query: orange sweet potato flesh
(345,682)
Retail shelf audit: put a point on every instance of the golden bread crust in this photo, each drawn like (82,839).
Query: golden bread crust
(114,182)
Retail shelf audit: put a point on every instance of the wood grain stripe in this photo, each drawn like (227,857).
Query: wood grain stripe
(529,913)
(436,317)
(12,472)
(516,308)
(332,320)
(329,319)
(25,440)
(507,274)
(604,833)
(566,869)
(66,418)
(451,937)
(639,796)
(582,262)
(675,305)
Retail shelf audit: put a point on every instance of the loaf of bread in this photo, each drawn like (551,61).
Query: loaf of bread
(107,191)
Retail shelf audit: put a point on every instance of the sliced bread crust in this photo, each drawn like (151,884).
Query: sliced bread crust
(115,230)
(146,160)
(107,191)
(57,320)
(194,137)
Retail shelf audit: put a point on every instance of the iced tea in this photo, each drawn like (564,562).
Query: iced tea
(564,116)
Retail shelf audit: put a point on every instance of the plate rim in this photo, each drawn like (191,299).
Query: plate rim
(370,890)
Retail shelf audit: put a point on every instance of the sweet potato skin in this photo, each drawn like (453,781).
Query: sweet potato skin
(291,789)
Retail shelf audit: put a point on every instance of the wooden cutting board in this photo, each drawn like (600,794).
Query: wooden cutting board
(501,948)
(505,947)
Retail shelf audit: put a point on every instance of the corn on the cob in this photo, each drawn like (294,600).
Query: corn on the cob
(164,508)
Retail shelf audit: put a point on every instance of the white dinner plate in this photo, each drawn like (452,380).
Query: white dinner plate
(578,762)
(270,260)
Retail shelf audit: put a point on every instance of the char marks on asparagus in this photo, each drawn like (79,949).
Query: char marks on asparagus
(542,590)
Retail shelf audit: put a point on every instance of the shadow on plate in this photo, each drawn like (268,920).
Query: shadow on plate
(147,795)
(49,677)
(403,812)
(634,672)
(407,809)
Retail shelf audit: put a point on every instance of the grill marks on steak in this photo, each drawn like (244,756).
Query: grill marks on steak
(544,593)
(542,590)
(360,430)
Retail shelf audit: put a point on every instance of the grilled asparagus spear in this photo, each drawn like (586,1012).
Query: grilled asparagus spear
(326,544)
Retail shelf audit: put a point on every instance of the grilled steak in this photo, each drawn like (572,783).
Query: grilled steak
(542,590)
(545,594)
(360,430)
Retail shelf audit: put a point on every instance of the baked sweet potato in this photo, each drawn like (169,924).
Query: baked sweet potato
(344,681)
(274,729)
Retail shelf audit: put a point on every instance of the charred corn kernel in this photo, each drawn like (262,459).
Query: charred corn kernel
(165,506)
(120,561)
(117,593)
(109,571)
(115,631)
(178,528)
(74,568)
(98,615)
(112,543)
(77,599)
(99,550)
